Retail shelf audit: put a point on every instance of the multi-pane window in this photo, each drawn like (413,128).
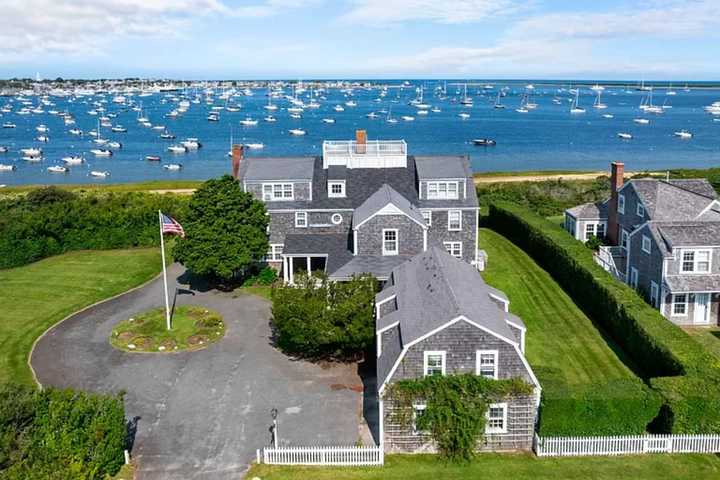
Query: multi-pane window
(589,230)
(427,216)
(418,412)
(679,304)
(496,418)
(640,210)
(300,219)
(600,232)
(442,190)
(454,248)
(654,294)
(621,204)
(486,363)
(434,363)
(390,242)
(624,239)
(633,277)
(275,253)
(646,245)
(454,220)
(277,191)
(695,261)
(336,189)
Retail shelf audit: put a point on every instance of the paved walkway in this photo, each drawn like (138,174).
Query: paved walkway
(203,414)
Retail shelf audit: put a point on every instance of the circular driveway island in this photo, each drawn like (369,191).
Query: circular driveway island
(203,414)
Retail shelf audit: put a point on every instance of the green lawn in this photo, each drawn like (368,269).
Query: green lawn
(192,328)
(36,296)
(563,345)
(510,467)
(707,337)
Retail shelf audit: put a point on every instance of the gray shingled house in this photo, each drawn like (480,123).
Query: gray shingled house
(363,207)
(665,242)
(436,316)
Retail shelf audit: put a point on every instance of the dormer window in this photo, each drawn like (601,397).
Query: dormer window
(336,189)
(277,192)
(442,190)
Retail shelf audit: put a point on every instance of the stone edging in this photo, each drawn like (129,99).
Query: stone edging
(99,302)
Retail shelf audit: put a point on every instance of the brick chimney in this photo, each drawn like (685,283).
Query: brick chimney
(238,152)
(360,141)
(617,173)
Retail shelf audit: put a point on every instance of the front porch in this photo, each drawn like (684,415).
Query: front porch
(303,265)
(696,309)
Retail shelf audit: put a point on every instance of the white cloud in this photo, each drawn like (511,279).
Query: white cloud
(574,43)
(383,12)
(30,28)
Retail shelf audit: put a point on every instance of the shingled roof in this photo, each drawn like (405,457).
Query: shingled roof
(384,196)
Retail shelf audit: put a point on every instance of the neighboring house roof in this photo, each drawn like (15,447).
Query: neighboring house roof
(672,201)
(277,169)
(361,183)
(439,167)
(385,195)
(698,185)
(693,283)
(337,172)
(432,289)
(590,211)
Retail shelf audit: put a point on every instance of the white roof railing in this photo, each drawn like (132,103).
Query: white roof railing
(371,154)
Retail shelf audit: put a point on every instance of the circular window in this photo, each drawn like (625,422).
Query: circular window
(336,219)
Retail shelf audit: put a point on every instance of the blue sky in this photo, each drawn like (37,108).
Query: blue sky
(208,39)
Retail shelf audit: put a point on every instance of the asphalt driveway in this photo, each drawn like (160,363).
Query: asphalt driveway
(202,415)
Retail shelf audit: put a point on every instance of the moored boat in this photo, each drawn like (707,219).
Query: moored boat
(484,142)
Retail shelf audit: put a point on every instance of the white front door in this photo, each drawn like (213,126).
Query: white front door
(702,309)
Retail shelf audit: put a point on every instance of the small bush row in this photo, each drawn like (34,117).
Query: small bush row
(685,375)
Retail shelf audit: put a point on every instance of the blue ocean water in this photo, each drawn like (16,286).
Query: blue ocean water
(548,137)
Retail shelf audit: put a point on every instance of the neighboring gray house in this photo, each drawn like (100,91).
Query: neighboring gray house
(436,316)
(587,220)
(666,244)
(363,207)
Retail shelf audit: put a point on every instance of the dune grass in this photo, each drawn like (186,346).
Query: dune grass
(36,296)
(563,345)
(508,466)
(192,328)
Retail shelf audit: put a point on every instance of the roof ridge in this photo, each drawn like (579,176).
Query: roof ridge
(669,182)
(453,297)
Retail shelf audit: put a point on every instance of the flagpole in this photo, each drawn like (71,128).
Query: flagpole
(162,249)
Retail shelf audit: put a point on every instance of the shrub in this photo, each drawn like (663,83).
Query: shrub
(317,318)
(51,221)
(60,434)
(266,276)
(655,345)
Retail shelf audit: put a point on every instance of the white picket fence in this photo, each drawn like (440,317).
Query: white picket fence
(335,456)
(588,446)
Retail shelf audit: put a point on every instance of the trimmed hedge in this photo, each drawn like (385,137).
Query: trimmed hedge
(679,369)
(60,434)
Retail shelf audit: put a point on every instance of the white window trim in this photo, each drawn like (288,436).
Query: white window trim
(282,186)
(427,354)
(696,261)
(624,238)
(673,303)
(489,429)
(416,407)
(621,203)
(299,215)
(634,274)
(336,195)
(434,187)
(397,242)
(459,213)
(495,353)
(451,245)
(646,239)
(274,255)
(428,219)
(640,210)
(334,217)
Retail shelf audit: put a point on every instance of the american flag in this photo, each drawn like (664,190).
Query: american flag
(170,225)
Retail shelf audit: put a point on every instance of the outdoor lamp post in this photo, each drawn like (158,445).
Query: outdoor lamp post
(274,414)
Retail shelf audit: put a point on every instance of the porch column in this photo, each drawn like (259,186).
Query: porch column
(291,279)
(286,278)
(308,266)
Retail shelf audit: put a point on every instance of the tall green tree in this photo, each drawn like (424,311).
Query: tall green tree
(225,230)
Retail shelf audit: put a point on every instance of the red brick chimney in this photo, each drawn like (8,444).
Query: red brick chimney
(238,152)
(360,141)
(617,172)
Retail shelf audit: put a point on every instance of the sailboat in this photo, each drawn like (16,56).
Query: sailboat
(498,105)
(466,101)
(575,108)
(598,103)
(521,108)
(390,118)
